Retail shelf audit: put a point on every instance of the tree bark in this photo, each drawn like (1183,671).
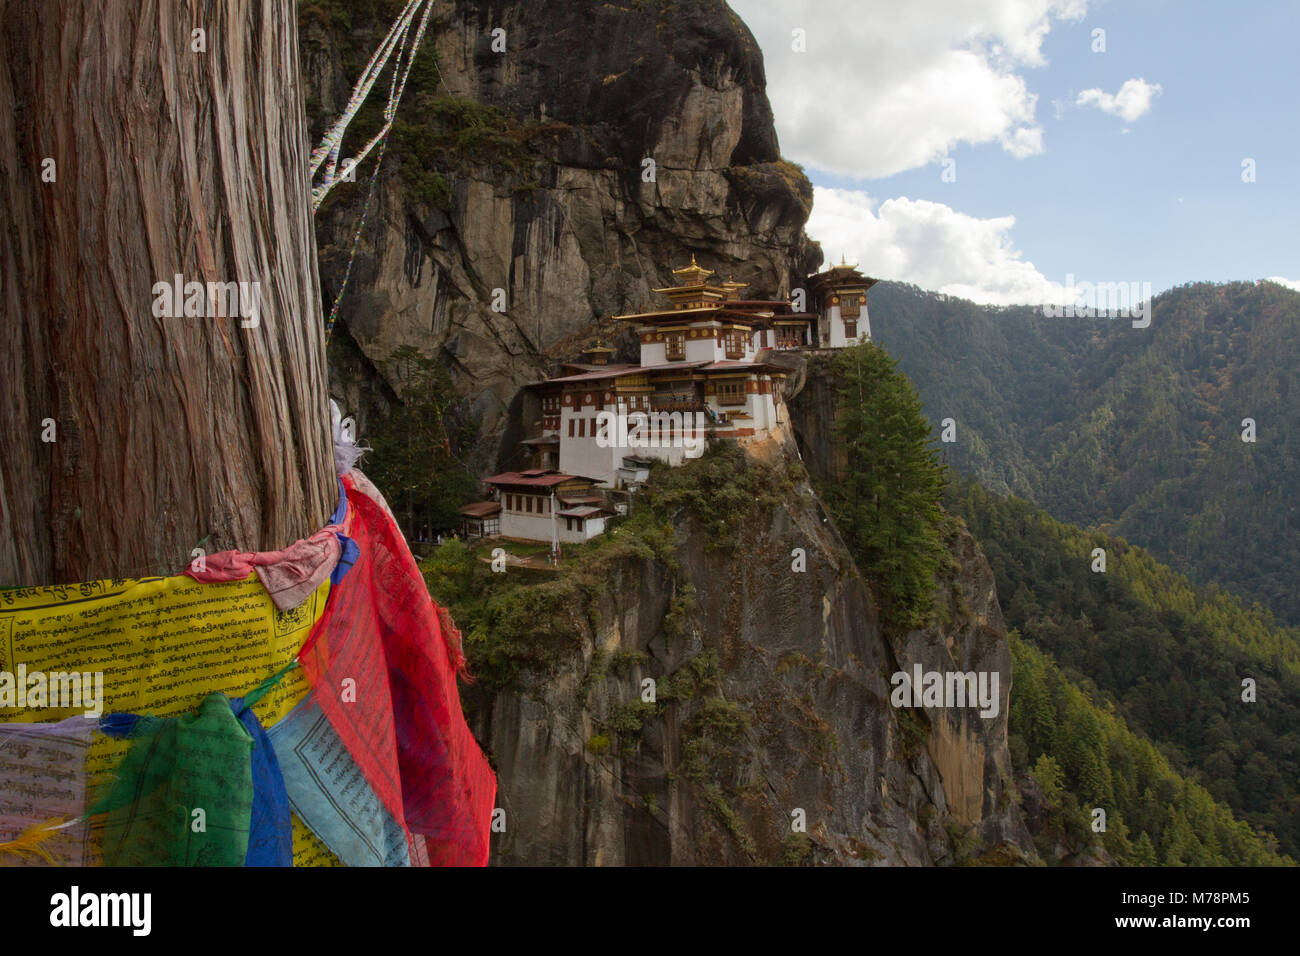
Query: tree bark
(169,431)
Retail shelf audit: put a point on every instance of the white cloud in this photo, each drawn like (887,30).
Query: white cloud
(878,94)
(929,244)
(1024,142)
(1131,102)
(1289,283)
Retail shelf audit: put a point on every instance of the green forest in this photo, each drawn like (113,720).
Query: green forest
(887,505)
(1083,755)
(1127,682)
(1106,661)
(417,445)
(1134,431)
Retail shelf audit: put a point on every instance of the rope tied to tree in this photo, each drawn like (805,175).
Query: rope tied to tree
(327,153)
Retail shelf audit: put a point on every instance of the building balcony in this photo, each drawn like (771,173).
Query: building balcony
(683,406)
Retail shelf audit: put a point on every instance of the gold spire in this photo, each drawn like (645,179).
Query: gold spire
(597,354)
(692,274)
(731,288)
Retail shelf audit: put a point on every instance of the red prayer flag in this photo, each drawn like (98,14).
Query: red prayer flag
(383,662)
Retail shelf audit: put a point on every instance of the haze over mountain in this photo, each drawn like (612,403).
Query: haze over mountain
(1135,431)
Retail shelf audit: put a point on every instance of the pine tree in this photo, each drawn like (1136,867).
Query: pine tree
(129,437)
(417,452)
(1144,854)
(888,503)
(1050,777)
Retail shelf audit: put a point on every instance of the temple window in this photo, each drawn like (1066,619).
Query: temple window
(675,346)
(731,393)
(735,344)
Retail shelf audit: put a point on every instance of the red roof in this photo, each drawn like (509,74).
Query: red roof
(611,371)
(618,371)
(481,509)
(751,318)
(545,479)
(839,276)
(669,366)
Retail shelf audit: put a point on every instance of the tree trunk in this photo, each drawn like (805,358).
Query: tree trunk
(168,160)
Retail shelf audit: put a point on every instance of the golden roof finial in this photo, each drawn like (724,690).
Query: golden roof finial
(732,288)
(692,274)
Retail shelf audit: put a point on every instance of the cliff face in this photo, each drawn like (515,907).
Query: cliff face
(769,736)
(525,171)
(772,697)
(813,402)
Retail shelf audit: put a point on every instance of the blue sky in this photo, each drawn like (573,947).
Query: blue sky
(1050,180)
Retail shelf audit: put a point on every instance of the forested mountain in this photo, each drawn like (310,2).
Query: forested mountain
(1135,431)
(1084,757)
(1151,651)
(1171,795)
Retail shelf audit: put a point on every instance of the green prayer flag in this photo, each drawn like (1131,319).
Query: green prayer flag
(184,793)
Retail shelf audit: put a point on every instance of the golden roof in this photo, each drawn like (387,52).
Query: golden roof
(732,286)
(692,274)
(842,276)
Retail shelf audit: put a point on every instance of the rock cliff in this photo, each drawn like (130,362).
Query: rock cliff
(527,170)
(810,395)
(519,178)
(772,703)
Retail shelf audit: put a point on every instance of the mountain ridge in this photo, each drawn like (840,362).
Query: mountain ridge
(1135,431)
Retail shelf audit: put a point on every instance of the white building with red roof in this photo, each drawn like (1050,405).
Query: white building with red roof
(701,375)
(543,505)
